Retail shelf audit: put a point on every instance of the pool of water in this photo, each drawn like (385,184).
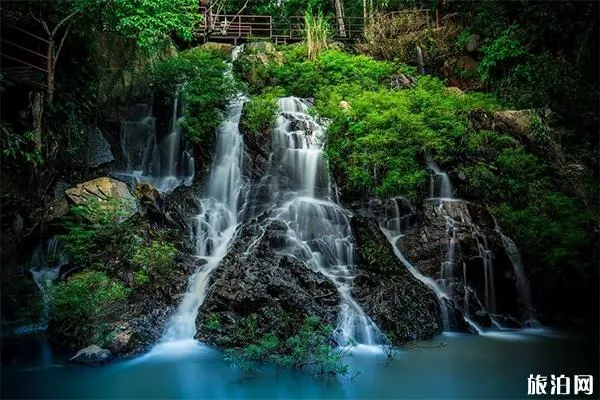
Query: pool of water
(494,365)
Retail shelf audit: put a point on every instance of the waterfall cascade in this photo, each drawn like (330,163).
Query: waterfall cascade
(214,227)
(451,282)
(165,163)
(299,186)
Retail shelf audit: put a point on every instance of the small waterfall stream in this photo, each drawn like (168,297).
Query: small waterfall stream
(45,263)
(453,268)
(319,227)
(165,164)
(216,224)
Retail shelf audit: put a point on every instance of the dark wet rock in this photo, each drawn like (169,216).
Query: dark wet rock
(427,247)
(177,210)
(394,299)
(97,148)
(150,309)
(257,280)
(92,355)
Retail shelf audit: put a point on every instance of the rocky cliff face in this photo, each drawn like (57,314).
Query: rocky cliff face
(457,244)
(396,301)
(259,279)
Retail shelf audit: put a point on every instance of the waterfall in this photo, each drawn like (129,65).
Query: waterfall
(165,164)
(439,183)
(45,263)
(319,228)
(216,224)
(513,252)
(420,62)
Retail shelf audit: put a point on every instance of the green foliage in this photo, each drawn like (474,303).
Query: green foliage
(18,149)
(86,303)
(198,76)
(89,225)
(502,50)
(300,77)
(149,22)
(260,112)
(213,322)
(378,146)
(309,348)
(155,261)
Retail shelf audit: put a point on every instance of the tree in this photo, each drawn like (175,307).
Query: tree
(339,16)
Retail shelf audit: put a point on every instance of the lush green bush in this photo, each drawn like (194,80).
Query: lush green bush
(379,146)
(300,77)
(260,112)
(309,348)
(89,225)
(199,77)
(156,263)
(84,305)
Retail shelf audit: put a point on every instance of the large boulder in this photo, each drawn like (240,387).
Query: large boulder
(258,279)
(260,47)
(394,299)
(100,189)
(516,123)
(223,49)
(92,355)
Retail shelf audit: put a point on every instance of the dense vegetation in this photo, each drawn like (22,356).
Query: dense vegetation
(379,145)
(120,257)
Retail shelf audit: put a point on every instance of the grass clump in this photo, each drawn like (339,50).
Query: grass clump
(316,33)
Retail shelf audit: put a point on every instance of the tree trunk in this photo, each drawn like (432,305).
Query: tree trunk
(50,76)
(339,15)
(37,110)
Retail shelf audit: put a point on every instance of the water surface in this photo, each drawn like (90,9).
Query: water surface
(495,365)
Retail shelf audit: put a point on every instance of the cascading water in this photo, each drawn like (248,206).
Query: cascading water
(215,226)
(439,183)
(45,264)
(392,228)
(165,165)
(514,254)
(320,228)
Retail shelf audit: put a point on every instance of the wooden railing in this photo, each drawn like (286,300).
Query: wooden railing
(245,26)
(23,54)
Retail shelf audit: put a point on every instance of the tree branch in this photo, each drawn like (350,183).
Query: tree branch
(60,46)
(65,19)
